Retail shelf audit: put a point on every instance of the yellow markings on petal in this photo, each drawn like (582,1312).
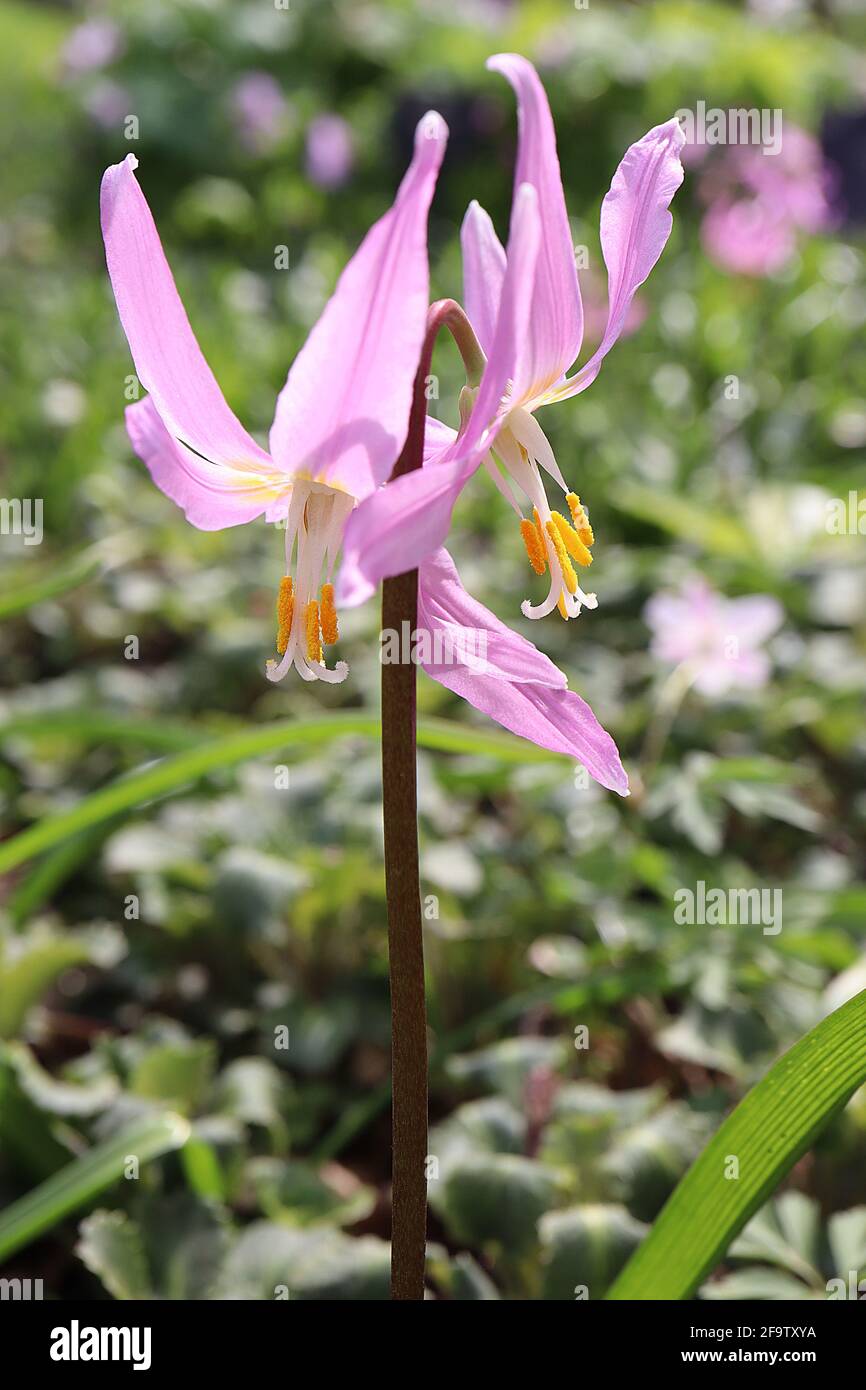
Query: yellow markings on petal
(330,631)
(534,542)
(569,578)
(571,540)
(314,640)
(285,612)
(579,518)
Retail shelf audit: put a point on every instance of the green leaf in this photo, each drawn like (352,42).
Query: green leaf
(80,1181)
(586,1246)
(291,1191)
(495,1198)
(271,1262)
(111,1247)
(757,1286)
(172,773)
(26,975)
(768,1131)
(55,579)
(178,1073)
(786,1232)
(714,531)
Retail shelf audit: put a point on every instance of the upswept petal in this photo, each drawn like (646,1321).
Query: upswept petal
(343,413)
(168,360)
(483,272)
(212,495)
(635,225)
(556,323)
(501,384)
(392,530)
(530,705)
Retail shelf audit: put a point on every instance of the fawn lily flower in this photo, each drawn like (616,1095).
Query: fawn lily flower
(526,311)
(341,417)
(718,641)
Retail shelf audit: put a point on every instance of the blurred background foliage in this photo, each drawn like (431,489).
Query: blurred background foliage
(550,903)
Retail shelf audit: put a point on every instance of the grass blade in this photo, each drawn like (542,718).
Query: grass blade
(83,1179)
(215,753)
(768,1131)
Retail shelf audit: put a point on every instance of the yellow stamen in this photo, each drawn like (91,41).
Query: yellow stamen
(560,603)
(579,518)
(571,540)
(534,542)
(330,632)
(569,578)
(314,641)
(285,612)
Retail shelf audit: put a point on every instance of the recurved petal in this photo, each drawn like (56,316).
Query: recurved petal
(635,225)
(212,495)
(168,360)
(556,323)
(514,683)
(343,413)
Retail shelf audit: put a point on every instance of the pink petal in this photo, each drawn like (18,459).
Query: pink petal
(168,360)
(755,618)
(438,438)
(483,272)
(635,225)
(445,606)
(212,495)
(392,530)
(504,381)
(556,323)
(343,413)
(516,685)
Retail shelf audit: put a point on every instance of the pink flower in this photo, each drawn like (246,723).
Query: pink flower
(340,419)
(340,423)
(260,110)
(330,154)
(526,310)
(92,44)
(719,639)
(759,203)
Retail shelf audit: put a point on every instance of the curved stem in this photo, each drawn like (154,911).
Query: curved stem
(402,881)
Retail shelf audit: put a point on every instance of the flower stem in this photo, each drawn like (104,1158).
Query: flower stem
(402,883)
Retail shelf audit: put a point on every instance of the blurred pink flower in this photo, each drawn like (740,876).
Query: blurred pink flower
(107,103)
(720,639)
(92,44)
(260,111)
(758,203)
(330,152)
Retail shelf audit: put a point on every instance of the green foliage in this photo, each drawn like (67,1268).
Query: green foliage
(186,932)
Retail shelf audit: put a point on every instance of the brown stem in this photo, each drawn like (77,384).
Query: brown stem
(402,883)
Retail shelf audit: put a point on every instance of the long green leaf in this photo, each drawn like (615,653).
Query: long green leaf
(217,752)
(49,582)
(770,1129)
(80,1181)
